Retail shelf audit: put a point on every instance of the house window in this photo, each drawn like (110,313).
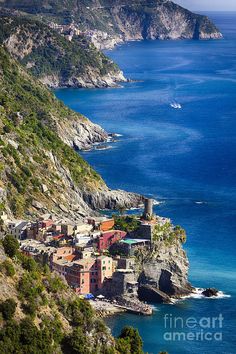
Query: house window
(103,268)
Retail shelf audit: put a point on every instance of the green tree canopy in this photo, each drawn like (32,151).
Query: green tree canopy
(129,341)
(8,308)
(10,245)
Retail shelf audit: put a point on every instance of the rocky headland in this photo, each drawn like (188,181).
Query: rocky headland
(65,51)
(55,59)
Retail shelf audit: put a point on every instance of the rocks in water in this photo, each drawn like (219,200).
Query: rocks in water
(210,292)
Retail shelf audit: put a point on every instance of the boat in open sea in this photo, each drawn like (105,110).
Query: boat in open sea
(176,105)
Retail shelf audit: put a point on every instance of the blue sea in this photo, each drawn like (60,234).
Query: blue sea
(185,158)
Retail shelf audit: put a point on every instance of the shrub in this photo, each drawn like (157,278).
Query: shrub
(30,286)
(8,309)
(6,129)
(25,337)
(55,284)
(78,342)
(8,268)
(126,223)
(79,312)
(30,307)
(28,264)
(10,245)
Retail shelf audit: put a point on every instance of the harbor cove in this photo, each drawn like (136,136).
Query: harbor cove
(176,121)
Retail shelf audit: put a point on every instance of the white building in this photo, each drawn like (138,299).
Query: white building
(17,228)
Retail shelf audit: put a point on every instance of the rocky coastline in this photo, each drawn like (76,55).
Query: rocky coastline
(90,79)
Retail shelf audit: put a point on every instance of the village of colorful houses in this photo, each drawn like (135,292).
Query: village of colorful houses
(80,252)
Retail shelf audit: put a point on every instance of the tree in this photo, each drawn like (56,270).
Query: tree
(10,245)
(78,342)
(29,264)
(123,346)
(131,336)
(8,309)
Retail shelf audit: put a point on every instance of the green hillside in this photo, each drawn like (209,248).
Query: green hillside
(40,314)
(50,56)
(155,19)
(30,118)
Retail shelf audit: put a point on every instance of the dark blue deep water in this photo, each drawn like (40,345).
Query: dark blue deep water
(181,157)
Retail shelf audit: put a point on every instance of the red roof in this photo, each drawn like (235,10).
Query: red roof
(70,257)
(58,237)
(111,233)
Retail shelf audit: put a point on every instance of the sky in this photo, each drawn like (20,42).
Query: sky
(213,5)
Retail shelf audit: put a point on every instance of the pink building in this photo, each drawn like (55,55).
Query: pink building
(85,275)
(108,238)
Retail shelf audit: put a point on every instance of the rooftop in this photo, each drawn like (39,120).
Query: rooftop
(132,241)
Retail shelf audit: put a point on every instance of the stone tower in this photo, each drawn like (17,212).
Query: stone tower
(148,209)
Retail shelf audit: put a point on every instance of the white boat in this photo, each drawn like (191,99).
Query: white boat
(176,105)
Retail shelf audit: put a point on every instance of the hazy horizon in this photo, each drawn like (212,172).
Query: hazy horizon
(208,5)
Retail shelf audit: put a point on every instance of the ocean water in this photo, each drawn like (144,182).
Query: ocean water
(185,158)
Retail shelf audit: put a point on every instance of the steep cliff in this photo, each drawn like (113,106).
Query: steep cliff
(156,272)
(163,272)
(123,19)
(56,60)
(39,169)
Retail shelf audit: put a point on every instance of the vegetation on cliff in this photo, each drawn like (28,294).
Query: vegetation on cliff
(50,56)
(39,313)
(169,234)
(127,223)
(31,120)
(135,19)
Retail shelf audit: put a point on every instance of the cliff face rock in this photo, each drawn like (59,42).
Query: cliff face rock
(157,274)
(118,20)
(81,134)
(164,270)
(112,199)
(161,20)
(54,59)
(92,78)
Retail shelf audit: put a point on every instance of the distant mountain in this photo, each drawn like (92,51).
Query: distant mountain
(51,57)
(124,19)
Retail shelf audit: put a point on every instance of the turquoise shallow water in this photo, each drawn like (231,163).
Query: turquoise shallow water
(181,157)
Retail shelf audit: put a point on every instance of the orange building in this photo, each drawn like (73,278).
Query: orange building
(101,223)
(107,225)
